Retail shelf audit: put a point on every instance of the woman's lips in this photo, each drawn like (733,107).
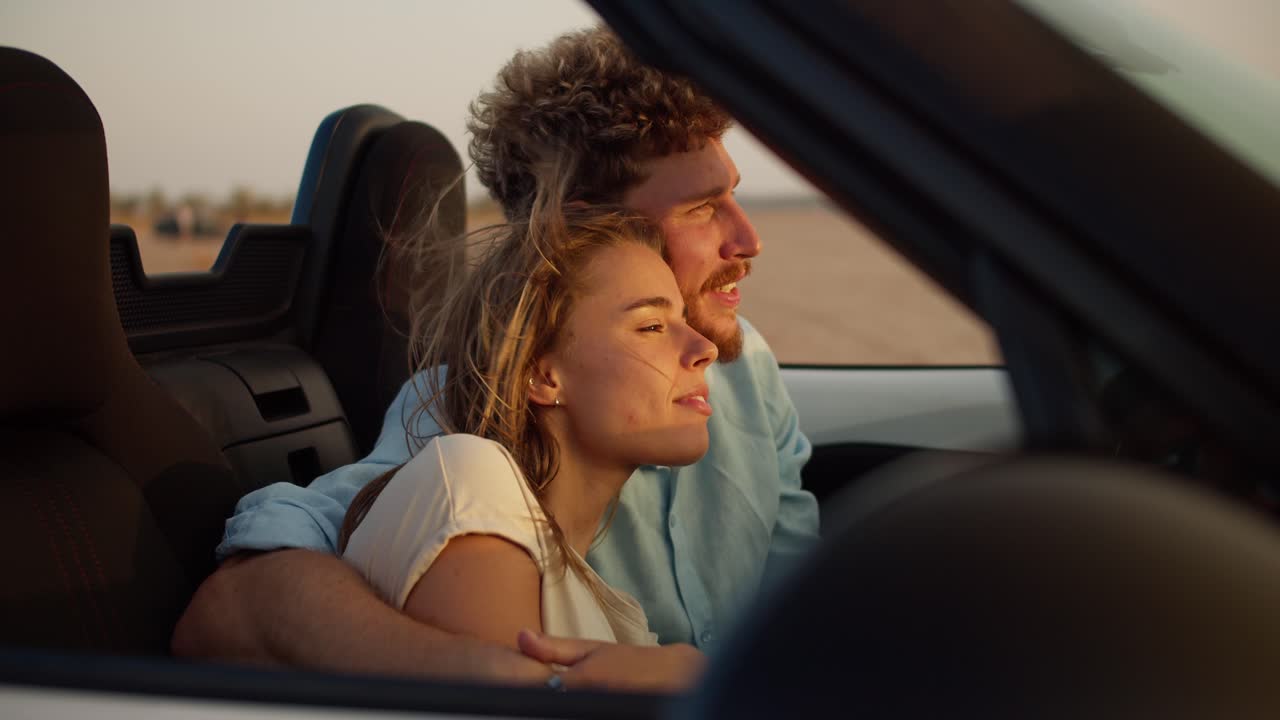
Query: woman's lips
(696,401)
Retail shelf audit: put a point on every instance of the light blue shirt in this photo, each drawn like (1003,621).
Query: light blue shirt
(692,544)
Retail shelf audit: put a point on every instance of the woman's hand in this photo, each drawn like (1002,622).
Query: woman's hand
(610,666)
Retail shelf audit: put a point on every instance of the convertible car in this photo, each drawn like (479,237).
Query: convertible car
(1088,530)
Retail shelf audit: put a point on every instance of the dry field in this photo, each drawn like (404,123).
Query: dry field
(163,254)
(825,291)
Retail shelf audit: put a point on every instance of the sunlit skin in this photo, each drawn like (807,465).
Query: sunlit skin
(710,241)
(628,371)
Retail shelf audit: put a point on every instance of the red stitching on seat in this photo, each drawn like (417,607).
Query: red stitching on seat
(53,545)
(88,586)
(93,555)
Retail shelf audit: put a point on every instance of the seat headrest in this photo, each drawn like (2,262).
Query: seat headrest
(397,184)
(57,315)
(408,168)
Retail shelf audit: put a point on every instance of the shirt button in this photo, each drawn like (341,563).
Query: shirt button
(705,637)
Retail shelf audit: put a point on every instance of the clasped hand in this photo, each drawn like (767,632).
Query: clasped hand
(610,666)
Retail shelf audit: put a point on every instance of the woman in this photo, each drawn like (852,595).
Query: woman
(569,365)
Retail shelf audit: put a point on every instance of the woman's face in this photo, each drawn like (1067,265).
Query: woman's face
(627,369)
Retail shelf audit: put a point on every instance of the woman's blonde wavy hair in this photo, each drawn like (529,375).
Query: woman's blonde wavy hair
(494,321)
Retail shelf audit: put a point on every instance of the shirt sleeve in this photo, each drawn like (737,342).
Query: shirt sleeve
(458,485)
(284,515)
(795,530)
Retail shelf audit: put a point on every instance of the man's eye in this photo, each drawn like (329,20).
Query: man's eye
(702,209)
(656,327)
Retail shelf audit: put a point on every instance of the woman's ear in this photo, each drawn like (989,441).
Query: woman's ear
(544,383)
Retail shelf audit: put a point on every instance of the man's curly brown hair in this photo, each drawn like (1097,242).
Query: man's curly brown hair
(585,107)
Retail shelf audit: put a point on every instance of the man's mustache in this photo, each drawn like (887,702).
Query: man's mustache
(733,272)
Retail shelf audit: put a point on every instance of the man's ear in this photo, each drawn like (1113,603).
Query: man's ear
(545,386)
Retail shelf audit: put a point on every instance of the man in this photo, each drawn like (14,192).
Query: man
(691,544)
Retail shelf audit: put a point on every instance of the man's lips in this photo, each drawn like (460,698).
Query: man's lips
(696,400)
(731,299)
(724,287)
(729,276)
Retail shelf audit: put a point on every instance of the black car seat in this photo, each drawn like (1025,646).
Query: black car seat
(1040,586)
(291,347)
(370,176)
(111,495)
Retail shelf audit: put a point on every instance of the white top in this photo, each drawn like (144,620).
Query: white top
(462,485)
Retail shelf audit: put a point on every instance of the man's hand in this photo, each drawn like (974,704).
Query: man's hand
(610,666)
(306,609)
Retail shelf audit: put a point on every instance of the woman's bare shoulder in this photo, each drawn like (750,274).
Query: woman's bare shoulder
(480,585)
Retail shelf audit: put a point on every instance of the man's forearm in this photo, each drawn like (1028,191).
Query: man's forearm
(302,608)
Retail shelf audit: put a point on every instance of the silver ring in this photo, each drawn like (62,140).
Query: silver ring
(555,682)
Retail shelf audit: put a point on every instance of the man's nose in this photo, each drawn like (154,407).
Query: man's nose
(741,240)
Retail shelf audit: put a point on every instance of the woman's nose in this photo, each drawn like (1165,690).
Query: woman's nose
(700,352)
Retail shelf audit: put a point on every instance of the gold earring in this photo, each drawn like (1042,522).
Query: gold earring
(530,382)
(557,401)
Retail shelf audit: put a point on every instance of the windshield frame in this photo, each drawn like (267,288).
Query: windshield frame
(1233,102)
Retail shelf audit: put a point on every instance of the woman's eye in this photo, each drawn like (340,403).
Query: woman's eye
(656,327)
(702,209)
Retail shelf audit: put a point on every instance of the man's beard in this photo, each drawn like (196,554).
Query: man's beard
(728,340)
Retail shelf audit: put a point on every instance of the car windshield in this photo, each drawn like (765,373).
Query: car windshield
(1214,64)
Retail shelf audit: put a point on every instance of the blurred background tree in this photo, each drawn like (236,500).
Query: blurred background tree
(156,204)
(241,203)
(199,203)
(278,207)
(125,204)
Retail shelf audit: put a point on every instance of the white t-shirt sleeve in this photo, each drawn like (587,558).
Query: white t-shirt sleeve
(456,485)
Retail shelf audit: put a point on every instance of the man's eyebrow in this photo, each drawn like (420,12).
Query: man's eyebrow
(705,195)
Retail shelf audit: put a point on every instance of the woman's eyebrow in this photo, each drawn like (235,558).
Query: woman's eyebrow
(658,301)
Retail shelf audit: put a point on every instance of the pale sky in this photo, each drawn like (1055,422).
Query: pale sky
(205,96)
